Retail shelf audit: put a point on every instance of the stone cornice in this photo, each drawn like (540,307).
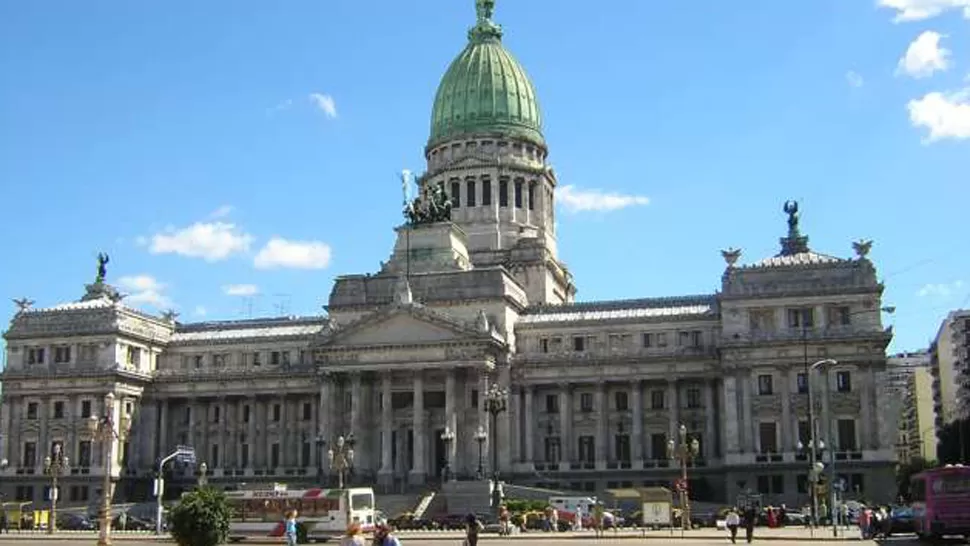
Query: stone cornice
(230,374)
(876,290)
(795,340)
(76,373)
(242,341)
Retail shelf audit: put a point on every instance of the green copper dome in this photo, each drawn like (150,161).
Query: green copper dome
(485,90)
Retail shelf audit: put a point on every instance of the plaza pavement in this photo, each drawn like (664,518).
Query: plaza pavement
(777,537)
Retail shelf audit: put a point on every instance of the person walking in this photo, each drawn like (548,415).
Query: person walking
(472,528)
(733,521)
(750,515)
(383,536)
(291,528)
(353,536)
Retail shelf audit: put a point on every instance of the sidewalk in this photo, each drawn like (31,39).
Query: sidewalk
(790,534)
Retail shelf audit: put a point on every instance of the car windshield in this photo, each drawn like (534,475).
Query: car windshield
(904,512)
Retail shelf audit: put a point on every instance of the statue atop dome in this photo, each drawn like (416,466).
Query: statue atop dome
(484,9)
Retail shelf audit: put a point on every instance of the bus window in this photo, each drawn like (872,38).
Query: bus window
(362,501)
(917,490)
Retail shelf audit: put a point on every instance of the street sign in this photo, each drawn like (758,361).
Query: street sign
(656,513)
(185,454)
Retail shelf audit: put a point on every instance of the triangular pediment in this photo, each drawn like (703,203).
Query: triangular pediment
(402,325)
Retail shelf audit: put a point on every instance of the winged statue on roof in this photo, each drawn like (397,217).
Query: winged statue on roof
(103,260)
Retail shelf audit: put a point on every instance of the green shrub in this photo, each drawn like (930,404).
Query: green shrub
(201,518)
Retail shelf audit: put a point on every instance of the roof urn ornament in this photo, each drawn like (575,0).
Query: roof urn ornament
(23,304)
(862,247)
(731,256)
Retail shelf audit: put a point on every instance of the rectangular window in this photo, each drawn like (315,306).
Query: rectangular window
(35,355)
(843,381)
(804,434)
(62,355)
(662,339)
(767,434)
(85,409)
(801,317)
(544,345)
(245,414)
(801,383)
(766,385)
(552,403)
(518,194)
(622,447)
(503,193)
(30,454)
(801,483)
(244,460)
(133,356)
(532,197)
(474,398)
(646,340)
(846,431)
(579,343)
(683,339)
(777,485)
(839,315)
(256,360)
(486,192)
(58,410)
(274,456)
(305,454)
(32,410)
(470,193)
(693,398)
(658,446)
(587,449)
(696,339)
(214,456)
(84,453)
(621,401)
(307,411)
(285,358)
(455,194)
(586,402)
(657,399)
(216,414)
(276,413)
(764,485)
(552,449)
(274,358)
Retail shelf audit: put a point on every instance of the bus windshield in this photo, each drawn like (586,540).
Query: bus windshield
(362,501)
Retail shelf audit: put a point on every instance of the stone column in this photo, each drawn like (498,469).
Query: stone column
(163,427)
(748,425)
(866,422)
(729,419)
(43,440)
(193,418)
(674,405)
(323,410)
(529,424)
(251,434)
(356,426)
(418,474)
(787,439)
(224,438)
(565,426)
(386,474)
(708,448)
(602,422)
(237,437)
(636,388)
(503,424)
(451,419)
(148,434)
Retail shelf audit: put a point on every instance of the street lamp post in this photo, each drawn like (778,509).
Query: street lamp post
(447,437)
(684,452)
(56,465)
(321,441)
(814,449)
(496,402)
(103,430)
(342,457)
(480,436)
(203,475)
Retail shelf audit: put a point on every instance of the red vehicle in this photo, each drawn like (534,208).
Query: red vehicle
(941,502)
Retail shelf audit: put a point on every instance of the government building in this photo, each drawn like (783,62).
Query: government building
(472,295)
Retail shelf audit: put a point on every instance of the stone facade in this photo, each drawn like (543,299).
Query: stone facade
(596,389)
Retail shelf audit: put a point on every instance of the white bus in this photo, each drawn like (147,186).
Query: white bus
(324,512)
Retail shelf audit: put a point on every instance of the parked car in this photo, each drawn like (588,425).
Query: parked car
(901,520)
(74,522)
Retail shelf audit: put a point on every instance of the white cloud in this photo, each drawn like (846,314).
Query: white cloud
(854,79)
(200,311)
(281,253)
(942,290)
(283,105)
(212,242)
(325,103)
(946,115)
(222,212)
(144,289)
(924,56)
(240,289)
(918,10)
(576,200)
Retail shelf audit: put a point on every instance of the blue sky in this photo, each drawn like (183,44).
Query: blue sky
(233,157)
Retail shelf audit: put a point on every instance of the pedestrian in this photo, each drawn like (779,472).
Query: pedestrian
(472,528)
(291,528)
(352,537)
(750,515)
(383,536)
(3,522)
(123,521)
(733,521)
(504,516)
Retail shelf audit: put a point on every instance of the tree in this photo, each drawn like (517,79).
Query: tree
(201,518)
(905,471)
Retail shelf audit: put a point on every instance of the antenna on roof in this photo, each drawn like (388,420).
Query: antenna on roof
(282,305)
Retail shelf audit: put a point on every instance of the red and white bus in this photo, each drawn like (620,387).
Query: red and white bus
(326,513)
(941,502)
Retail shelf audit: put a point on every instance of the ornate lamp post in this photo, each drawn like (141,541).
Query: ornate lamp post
(103,430)
(342,457)
(814,449)
(203,475)
(496,401)
(684,451)
(55,466)
(447,436)
(321,441)
(480,436)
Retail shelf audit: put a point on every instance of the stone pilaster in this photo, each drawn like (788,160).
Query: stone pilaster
(418,473)
(636,391)
(565,426)
(602,432)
